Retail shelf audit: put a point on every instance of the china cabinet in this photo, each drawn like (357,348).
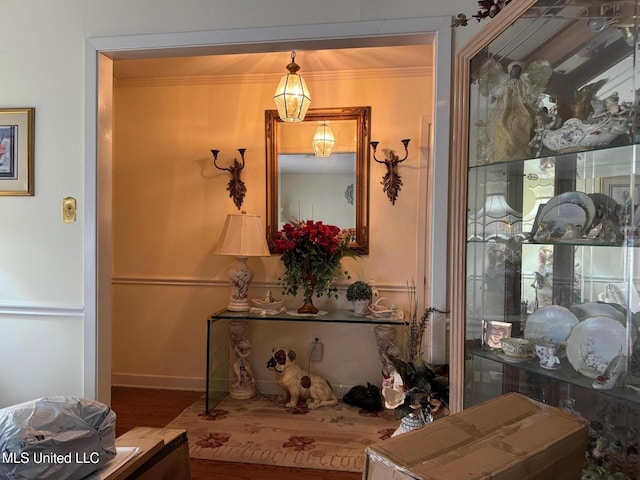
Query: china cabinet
(545,220)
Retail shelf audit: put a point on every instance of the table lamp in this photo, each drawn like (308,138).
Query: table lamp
(243,236)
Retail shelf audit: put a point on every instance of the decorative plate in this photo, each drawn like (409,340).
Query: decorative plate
(599,309)
(576,208)
(552,325)
(593,343)
(603,203)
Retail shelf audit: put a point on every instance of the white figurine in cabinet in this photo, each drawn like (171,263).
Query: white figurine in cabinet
(513,96)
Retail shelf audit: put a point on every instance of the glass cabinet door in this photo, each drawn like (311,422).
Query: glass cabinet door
(546,225)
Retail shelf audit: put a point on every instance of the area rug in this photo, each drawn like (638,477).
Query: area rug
(261,431)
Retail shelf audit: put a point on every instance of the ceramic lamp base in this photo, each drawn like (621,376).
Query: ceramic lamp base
(238,306)
(240,276)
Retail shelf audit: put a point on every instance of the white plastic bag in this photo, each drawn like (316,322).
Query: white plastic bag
(55,438)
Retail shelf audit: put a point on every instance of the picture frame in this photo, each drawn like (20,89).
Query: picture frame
(17,127)
(494,332)
(618,188)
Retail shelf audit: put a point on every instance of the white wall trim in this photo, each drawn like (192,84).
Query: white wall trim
(98,192)
(241,40)
(41,309)
(258,79)
(203,282)
(170,281)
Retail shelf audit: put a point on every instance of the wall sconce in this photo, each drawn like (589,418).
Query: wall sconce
(323,141)
(243,236)
(292,95)
(236,186)
(391,181)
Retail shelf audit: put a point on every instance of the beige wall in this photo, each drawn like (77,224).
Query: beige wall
(170,204)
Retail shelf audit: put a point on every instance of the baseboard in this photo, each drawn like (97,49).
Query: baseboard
(162,382)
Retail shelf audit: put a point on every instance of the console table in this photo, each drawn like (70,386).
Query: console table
(217,379)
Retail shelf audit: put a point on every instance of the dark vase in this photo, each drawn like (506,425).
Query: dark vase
(307,306)
(310,283)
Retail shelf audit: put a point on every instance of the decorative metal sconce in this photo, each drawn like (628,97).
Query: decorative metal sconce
(236,186)
(391,181)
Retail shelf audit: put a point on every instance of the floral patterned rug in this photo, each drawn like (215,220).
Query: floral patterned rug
(261,431)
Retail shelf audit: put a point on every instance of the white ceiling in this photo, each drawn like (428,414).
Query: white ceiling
(311,62)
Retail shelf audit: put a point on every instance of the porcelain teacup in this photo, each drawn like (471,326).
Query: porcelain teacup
(548,356)
(515,347)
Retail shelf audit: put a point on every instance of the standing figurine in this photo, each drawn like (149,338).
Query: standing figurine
(387,348)
(514,98)
(242,385)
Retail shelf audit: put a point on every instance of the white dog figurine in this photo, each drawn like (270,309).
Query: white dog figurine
(298,384)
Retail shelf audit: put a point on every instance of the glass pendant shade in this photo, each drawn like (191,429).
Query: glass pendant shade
(323,141)
(292,97)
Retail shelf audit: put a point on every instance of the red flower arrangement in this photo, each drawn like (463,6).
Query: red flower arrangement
(311,254)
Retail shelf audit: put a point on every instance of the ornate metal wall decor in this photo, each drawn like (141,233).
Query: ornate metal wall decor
(391,181)
(236,186)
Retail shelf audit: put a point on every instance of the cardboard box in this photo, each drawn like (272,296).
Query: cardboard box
(163,455)
(508,438)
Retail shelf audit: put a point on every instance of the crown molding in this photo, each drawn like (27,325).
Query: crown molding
(244,79)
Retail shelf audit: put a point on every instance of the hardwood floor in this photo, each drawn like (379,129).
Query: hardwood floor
(156,408)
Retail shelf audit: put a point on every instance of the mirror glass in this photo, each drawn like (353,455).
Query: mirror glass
(333,189)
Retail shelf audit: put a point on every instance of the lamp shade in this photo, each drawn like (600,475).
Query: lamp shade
(243,235)
(323,141)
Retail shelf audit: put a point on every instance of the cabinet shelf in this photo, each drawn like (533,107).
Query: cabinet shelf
(610,161)
(566,374)
(575,243)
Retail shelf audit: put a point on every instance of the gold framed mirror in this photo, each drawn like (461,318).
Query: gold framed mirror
(333,189)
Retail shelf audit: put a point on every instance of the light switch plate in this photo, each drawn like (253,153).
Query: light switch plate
(68,209)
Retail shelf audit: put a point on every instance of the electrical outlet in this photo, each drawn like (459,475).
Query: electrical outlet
(316,338)
(315,354)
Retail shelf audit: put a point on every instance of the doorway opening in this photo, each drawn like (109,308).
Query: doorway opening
(103,57)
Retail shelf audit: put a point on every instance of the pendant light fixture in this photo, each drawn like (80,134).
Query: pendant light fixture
(323,141)
(292,96)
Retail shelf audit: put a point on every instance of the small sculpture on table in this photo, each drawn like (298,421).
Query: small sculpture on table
(299,384)
(242,384)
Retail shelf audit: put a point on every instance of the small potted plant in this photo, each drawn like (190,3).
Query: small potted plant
(359,293)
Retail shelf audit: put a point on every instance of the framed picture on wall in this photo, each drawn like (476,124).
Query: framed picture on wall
(626,193)
(16,151)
